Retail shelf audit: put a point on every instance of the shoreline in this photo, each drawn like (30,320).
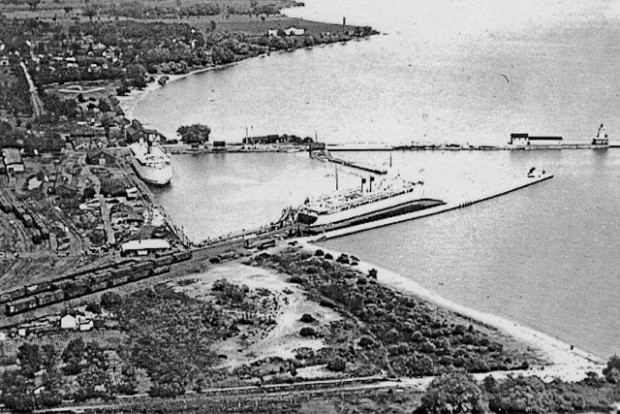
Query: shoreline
(565,361)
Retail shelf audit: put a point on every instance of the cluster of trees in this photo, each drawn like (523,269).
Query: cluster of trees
(459,392)
(196,133)
(413,337)
(15,94)
(169,335)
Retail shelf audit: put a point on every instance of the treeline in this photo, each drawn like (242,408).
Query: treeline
(460,392)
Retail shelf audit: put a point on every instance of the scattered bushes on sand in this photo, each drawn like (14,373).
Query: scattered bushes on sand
(405,335)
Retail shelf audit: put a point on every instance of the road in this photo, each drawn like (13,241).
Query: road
(37,105)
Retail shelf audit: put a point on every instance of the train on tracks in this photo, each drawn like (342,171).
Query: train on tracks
(88,281)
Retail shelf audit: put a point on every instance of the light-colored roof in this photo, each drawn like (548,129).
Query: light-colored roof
(11,156)
(145,244)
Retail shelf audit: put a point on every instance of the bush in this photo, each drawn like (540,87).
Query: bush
(454,393)
(328,256)
(110,300)
(307,331)
(337,364)
(307,318)
(366,342)
(296,279)
(319,253)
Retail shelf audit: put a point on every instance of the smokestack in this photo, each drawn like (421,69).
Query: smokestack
(344,23)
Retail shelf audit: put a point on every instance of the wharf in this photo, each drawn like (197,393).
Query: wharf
(324,155)
(448,206)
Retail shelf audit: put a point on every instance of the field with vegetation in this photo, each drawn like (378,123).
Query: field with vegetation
(391,332)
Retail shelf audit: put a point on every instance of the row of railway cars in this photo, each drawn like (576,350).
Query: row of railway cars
(83,283)
(38,230)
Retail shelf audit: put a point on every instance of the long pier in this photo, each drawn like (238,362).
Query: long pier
(324,155)
(448,206)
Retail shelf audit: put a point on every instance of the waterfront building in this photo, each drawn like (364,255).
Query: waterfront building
(524,140)
(144,247)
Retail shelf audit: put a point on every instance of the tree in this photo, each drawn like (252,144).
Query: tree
(29,359)
(612,370)
(454,393)
(73,356)
(17,392)
(90,12)
(110,300)
(197,133)
(33,4)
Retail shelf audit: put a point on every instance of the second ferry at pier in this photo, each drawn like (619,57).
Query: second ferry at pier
(389,197)
(151,162)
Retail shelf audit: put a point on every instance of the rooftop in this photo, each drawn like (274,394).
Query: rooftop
(145,244)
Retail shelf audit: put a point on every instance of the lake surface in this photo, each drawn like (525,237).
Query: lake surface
(443,71)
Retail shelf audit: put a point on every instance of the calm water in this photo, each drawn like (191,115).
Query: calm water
(545,256)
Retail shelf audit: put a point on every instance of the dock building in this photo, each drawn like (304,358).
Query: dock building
(524,140)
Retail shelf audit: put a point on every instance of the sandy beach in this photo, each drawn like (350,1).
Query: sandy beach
(564,361)
(130,102)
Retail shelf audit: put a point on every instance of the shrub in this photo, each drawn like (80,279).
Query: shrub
(319,253)
(307,318)
(366,342)
(296,279)
(337,364)
(307,331)
(328,256)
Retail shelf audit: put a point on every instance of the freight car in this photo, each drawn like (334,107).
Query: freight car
(13,295)
(50,297)
(20,306)
(182,256)
(165,260)
(38,288)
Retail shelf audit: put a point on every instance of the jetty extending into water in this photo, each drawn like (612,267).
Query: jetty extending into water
(331,233)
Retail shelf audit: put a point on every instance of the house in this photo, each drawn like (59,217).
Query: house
(12,160)
(293,31)
(272,33)
(601,137)
(4,61)
(144,247)
(76,322)
(101,157)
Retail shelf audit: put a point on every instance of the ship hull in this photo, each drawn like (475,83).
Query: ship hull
(365,215)
(159,177)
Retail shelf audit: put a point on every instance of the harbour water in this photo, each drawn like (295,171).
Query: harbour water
(544,256)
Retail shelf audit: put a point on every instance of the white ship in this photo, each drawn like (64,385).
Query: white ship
(151,162)
(389,197)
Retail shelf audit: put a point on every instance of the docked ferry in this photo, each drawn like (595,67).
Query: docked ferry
(151,162)
(389,197)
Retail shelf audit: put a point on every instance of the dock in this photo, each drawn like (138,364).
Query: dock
(448,206)
(325,155)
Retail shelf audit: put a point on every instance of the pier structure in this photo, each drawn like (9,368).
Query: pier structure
(449,205)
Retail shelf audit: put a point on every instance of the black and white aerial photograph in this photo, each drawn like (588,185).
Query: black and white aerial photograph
(310,206)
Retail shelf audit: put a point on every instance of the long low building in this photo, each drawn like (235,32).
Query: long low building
(524,139)
(144,247)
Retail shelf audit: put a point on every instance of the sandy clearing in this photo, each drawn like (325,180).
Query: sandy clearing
(284,338)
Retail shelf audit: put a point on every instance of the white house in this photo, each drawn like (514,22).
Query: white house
(144,246)
(272,33)
(293,31)
(77,322)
